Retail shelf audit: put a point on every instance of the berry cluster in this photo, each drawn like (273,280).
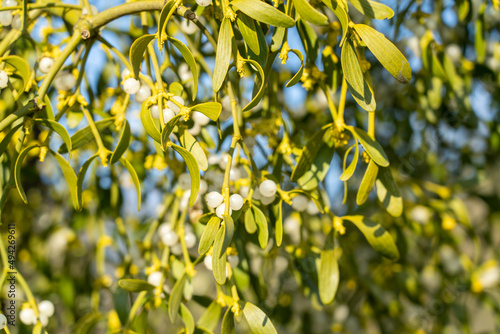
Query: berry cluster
(45,310)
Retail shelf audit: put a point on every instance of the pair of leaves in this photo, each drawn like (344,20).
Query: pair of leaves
(256,219)
(380,240)
(372,147)
(263,12)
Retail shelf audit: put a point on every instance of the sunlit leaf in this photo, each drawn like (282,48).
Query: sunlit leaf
(228,323)
(187,319)
(373,9)
(296,78)
(367,183)
(188,57)
(193,169)
(81,178)
(328,275)
(20,66)
(309,13)
(174,301)
(59,129)
(136,54)
(349,171)
(83,136)
(263,12)
(210,109)
(6,140)
(123,143)
(210,318)
(223,54)
(135,285)
(208,236)
(192,145)
(135,179)
(372,147)
(388,192)
(17,171)
(261,221)
(219,262)
(167,130)
(249,32)
(228,233)
(257,320)
(70,176)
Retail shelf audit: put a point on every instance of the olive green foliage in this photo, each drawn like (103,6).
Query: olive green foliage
(386,214)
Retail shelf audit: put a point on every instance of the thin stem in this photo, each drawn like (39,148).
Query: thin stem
(25,110)
(371,124)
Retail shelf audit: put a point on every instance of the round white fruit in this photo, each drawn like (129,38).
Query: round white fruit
(266,200)
(203,187)
(190,239)
(3,321)
(203,3)
(221,209)
(125,73)
(195,130)
(214,199)
(164,229)
(268,188)
(45,64)
(312,209)
(65,81)
(4,79)
(27,316)
(93,10)
(176,249)
(170,238)
(207,261)
(235,202)
(131,86)
(200,119)
(155,278)
(185,181)
(188,27)
(299,203)
(6,18)
(168,114)
(46,307)
(174,106)
(155,112)
(143,93)
(9,3)
(16,22)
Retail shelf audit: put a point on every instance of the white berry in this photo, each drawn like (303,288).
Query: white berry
(46,307)
(143,93)
(266,200)
(4,79)
(195,130)
(155,278)
(189,27)
(65,81)
(203,187)
(312,209)
(299,203)
(184,71)
(208,262)
(244,191)
(174,106)
(16,22)
(168,114)
(233,260)
(214,199)
(9,3)
(164,229)
(170,238)
(155,112)
(185,181)
(203,3)
(125,73)
(176,249)
(235,202)
(131,86)
(267,188)
(93,10)
(27,316)
(200,119)
(190,240)
(6,18)
(45,64)
(3,321)
(221,209)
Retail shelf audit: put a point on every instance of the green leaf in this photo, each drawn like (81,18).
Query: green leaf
(148,123)
(6,140)
(261,58)
(388,192)
(339,8)
(373,9)
(309,39)
(228,233)
(223,54)
(258,321)
(309,13)
(328,275)
(135,285)
(219,262)
(174,301)
(192,145)
(20,67)
(262,12)
(167,131)
(136,54)
(279,223)
(349,171)
(193,169)
(320,166)
(210,109)
(135,179)
(208,236)
(210,318)
(309,153)
(162,21)
(249,32)
(380,240)
(17,171)
(81,178)
(359,88)
(123,143)
(277,39)
(188,57)
(176,88)
(372,147)
(261,221)
(256,99)
(83,136)
(367,183)
(187,319)
(70,176)
(59,129)
(480,41)
(387,53)
(228,323)
(296,78)
(250,224)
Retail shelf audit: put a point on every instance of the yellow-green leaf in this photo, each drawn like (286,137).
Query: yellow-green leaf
(296,78)
(319,167)
(373,9)
(250,224)
(359,88)
(174,301)
(167,130)
(59,129)
(70,176)
(279,222)
(210,109)
(148,123)
(193,169)
(372,147)
(136,54)
(208,236)
(228,323)
(135,285)
(308,155)
(187,319)
(6,140)
(228,233)
(83,136)
(223,54)
(380,240)
(188,57)
(192,145)
(261,221)
(135,179)
(210,318)
(309,13)
(388,192)
(263,12)
(387,53)
(17,171)
(367,182)
(123,143)
(81,178)
(20,67)
(256,99)
(219,262)
(349,171)
(339,8)
(257,320)
(249,32)
(328,275)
